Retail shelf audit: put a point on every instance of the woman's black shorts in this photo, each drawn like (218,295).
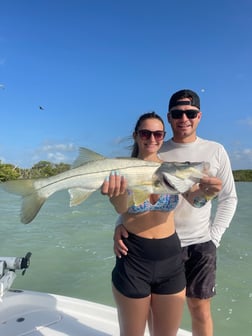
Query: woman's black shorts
(151,266)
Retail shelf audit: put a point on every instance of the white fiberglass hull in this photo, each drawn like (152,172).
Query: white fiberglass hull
(41,314)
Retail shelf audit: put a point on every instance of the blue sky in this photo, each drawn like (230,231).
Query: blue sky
(96,65)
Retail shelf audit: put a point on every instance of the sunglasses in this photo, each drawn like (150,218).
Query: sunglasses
(146,134)
(177,114)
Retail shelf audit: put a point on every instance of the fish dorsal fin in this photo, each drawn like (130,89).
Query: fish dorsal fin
(86,155)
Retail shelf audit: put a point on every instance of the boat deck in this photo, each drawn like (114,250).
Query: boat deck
(27,313)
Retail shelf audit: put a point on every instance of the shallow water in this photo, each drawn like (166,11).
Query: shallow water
(72,254)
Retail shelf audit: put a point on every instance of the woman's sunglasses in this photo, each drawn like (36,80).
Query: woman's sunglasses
(177,114)
(146,134)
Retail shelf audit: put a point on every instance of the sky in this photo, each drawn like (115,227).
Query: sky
(79,73)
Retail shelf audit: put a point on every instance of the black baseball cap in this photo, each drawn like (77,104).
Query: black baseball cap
(185,93)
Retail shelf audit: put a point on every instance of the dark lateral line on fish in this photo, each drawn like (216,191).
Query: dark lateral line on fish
(74,176)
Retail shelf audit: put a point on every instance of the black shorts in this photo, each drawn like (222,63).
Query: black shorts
(200,268)
(151,266)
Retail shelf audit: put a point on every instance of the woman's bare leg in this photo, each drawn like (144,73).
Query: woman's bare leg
(132,314)
(167,311)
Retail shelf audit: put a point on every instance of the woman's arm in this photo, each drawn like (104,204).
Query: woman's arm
(120,202)
(115,187)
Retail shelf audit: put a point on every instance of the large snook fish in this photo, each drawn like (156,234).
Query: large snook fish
(89,172)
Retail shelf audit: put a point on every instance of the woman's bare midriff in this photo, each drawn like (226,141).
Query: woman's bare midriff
(150,224)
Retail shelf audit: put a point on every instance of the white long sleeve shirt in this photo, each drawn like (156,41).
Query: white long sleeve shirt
(196,225)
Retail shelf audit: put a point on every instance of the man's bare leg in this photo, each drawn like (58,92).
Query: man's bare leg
(200,310)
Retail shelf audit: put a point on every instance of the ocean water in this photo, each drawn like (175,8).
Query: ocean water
(72,254)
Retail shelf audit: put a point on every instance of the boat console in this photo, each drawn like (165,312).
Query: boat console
(8,267)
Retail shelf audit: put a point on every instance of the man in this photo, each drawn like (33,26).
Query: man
(200,234)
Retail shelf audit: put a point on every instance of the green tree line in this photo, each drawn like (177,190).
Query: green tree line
(243,175)
(46,169)
(40,169)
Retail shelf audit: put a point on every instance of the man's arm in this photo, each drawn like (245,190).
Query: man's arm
(119,247)
(226,201)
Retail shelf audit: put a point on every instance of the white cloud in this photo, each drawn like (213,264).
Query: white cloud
(246,122)
(69,147)
(56,153)
(2,159)
(241,159)
(57,157)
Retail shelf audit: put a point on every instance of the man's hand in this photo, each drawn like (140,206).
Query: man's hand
(119,246)
(210,186)
(114,185)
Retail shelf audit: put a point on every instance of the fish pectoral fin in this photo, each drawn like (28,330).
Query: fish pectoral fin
(130,200)
(78,195)
(139,196)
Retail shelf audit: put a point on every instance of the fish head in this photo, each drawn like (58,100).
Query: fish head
(179,177)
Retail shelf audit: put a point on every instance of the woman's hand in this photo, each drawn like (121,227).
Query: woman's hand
(114,185)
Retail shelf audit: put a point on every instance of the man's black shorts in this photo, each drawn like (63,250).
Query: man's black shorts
(200,268)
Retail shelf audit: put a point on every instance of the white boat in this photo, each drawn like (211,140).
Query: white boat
(29,313)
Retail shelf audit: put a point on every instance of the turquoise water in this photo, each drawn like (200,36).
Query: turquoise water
(72,254)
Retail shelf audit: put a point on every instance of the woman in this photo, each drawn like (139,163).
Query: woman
(151,275)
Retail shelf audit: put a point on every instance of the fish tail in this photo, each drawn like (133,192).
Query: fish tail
(30,207)
(32,199)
